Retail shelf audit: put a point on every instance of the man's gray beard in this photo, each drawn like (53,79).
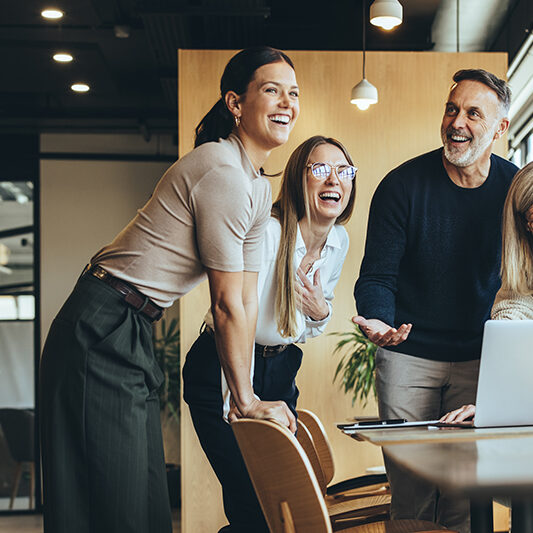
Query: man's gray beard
(472,154)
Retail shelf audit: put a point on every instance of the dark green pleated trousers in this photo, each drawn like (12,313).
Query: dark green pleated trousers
(103,462)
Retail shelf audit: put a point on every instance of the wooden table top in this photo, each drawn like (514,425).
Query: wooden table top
(417,435)
(478,469)
(473,463)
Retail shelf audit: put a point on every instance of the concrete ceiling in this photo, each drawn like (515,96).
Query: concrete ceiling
(133,78)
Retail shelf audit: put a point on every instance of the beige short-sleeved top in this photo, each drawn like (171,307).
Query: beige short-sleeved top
(209,209)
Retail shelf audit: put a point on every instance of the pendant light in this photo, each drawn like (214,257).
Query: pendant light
(364,94)
(386,13)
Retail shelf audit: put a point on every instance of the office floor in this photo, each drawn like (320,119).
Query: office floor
(34,523)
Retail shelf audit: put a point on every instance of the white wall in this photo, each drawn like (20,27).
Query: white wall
(84,204)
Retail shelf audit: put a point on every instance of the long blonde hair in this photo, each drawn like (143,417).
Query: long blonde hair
(517,240)
(290,207)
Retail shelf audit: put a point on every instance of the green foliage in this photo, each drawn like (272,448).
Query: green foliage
(167,354)
(357,364)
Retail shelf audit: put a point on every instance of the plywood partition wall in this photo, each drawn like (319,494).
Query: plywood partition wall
(412,90)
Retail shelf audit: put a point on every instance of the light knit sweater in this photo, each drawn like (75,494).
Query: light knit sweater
(510,305)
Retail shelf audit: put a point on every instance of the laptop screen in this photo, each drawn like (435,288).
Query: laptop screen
(505,386)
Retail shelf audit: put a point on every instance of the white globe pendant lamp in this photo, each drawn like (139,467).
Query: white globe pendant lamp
(386,13)
(364,94)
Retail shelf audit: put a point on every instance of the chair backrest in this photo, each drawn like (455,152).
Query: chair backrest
(283,477)
(320,441)
(18,428)
(305,439)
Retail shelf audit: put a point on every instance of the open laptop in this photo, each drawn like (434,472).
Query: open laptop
(505,387)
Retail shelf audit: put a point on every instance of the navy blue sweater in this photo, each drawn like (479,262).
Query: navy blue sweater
(432,256)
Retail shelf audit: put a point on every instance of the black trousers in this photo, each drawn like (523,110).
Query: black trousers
(273,380)
(103,462)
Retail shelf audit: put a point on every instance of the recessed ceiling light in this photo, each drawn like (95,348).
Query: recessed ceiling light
(80,87)
(62,57)
(52,13)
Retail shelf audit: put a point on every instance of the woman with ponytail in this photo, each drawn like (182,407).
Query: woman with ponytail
(303,252)
(103,463)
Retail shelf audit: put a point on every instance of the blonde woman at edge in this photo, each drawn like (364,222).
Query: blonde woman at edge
(303,252)
(514,300)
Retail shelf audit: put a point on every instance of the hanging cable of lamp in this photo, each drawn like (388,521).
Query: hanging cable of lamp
(386,13)
(364,94)
(457,25)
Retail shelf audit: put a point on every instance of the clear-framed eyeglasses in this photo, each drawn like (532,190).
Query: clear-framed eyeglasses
(322,171)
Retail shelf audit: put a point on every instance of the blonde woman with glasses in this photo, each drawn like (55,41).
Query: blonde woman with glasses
(514,300)
(304,247)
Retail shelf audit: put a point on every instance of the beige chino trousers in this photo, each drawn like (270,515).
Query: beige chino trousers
(421,389)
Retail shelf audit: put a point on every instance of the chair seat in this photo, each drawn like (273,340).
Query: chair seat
(398,526)
(367,481)
(357,507)
(363,492)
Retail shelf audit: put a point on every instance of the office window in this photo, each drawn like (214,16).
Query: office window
(516,157)
(17,307)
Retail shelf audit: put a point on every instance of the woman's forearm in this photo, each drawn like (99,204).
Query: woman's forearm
(234,308)
(234,347)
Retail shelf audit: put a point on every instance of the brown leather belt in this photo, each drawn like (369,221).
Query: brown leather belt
(264,351)
(269,351)
(131,295)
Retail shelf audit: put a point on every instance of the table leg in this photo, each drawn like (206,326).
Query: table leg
(481,520)
(522,516)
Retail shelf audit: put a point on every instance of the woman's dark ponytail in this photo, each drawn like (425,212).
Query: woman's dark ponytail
(219,121)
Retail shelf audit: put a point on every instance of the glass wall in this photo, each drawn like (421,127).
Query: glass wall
(523,153)
(19,344)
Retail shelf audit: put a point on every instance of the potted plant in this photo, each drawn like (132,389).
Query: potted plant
(167,353)
(356,369)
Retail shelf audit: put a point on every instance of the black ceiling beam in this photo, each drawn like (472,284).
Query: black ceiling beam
(13,232)
(193,11)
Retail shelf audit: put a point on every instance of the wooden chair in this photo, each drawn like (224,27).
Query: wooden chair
(287,488)
(361,485)
(374,504)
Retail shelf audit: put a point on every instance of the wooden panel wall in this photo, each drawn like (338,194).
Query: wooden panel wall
(412,87)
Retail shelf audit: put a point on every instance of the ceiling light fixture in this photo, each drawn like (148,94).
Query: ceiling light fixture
(122,31)
(62,57)
(52,14)
(364,94)
(80,87)
(386,13)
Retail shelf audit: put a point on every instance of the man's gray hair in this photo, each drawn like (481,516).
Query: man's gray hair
(500,87)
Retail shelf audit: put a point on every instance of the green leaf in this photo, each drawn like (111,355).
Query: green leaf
(166,342)
(356,368)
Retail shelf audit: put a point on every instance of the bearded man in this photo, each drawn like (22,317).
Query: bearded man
(430,274)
